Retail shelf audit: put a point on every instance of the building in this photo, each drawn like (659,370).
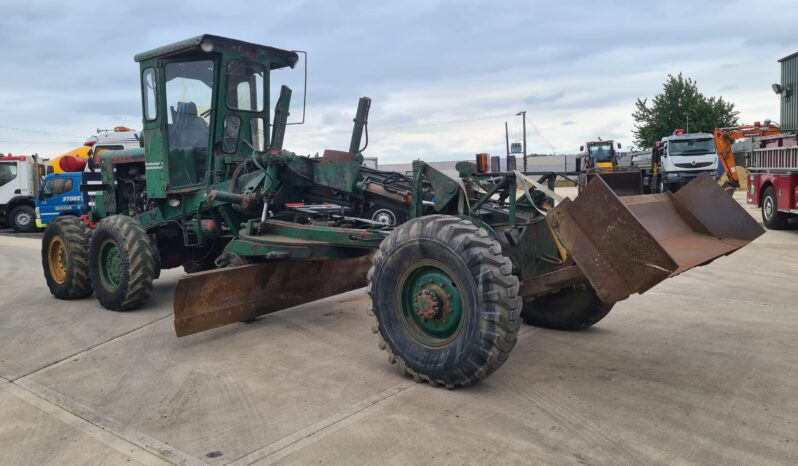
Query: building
(786,91)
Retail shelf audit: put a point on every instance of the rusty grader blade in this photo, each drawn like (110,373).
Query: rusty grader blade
(626,245)
(219,297)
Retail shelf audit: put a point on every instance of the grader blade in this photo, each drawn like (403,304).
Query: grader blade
(626,245)
(219,297)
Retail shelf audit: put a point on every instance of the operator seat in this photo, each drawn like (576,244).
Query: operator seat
(189,130)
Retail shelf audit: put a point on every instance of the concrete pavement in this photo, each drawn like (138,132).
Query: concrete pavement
(699,370)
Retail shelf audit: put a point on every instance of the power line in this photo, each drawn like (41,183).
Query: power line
(38,131)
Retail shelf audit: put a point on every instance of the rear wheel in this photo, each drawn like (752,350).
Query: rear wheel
(23,219)
(445,300)
(771,216)
(573,308)
(123,263)
(65,258)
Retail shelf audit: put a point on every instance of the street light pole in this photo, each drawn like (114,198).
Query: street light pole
(523,119)
(687,130)
(507,139)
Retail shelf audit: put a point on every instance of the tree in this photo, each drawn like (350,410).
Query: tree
(679,97)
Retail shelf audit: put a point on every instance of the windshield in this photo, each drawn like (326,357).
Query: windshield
(694,147)
(601,152)
(8,171)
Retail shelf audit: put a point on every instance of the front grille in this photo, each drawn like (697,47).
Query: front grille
(696,165)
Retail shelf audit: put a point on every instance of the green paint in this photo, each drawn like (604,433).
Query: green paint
(111,264)
(431,305)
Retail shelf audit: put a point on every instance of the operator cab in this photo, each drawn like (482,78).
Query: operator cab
(205,106)
(600,154)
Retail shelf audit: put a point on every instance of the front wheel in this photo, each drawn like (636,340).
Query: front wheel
(122,263)
(771,216)
(573,308)
(23,219)
(445,300)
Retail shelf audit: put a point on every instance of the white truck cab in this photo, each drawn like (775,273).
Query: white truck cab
(684,156)
(20,181)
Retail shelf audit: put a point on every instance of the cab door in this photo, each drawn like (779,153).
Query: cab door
(60,195)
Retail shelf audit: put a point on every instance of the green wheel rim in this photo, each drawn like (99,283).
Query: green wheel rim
(430,303)
(111,264)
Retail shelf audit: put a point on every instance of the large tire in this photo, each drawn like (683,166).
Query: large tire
(771,216)
(445,300)
(23,219)
(65,258)
(574,308)
(122,263)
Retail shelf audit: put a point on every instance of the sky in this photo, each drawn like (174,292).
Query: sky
(443,76)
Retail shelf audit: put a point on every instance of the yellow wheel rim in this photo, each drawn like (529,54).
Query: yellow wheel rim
(57,259)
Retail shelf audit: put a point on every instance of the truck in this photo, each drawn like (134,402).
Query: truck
(20,182)
(678,159)
(65,193)
(68,191)
(214,186)
(773,178)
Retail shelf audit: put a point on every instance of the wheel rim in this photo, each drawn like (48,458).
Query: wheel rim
(23,219)
(57,260)
(111,264)
(430,304)
(768,208)
(384,216)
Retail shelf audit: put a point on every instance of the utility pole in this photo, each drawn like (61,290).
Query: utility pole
(507,139)
(523,119)
(687,130)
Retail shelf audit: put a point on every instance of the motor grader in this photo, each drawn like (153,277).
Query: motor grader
(213,190)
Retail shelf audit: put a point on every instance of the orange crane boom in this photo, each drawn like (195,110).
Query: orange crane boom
(724,137)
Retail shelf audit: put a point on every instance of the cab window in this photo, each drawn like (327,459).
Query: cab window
(56,186)
(8,171)
(189,98)
(245,86)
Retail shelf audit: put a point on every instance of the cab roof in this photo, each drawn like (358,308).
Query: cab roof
(285,58)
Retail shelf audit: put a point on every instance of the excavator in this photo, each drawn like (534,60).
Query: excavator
(725,137)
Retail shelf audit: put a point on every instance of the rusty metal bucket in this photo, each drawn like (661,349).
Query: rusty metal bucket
(626,245)
(624,182)
(215,298)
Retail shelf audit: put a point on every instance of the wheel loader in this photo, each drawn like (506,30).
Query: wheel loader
(212,189)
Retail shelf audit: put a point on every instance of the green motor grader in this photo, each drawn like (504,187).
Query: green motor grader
(213,190)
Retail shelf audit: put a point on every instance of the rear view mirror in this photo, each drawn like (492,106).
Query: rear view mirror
(619,145)
(581,148)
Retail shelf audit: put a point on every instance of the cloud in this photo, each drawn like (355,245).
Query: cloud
(444,76)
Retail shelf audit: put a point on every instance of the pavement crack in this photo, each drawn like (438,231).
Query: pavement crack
(85,350)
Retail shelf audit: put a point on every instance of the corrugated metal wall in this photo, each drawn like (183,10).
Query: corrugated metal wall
(789,105)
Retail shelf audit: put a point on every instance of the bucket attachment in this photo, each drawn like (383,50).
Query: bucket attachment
(622,182)
(219,297)
(626,245)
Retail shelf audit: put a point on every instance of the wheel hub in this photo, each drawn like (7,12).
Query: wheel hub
(432,307)
(24,219)
(431,302)
(111,263)
(57,260)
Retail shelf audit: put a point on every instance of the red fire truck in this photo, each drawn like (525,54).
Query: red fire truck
(773,178)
